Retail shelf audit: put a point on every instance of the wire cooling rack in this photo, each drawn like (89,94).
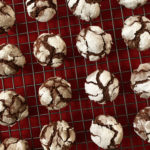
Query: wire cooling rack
(81,111)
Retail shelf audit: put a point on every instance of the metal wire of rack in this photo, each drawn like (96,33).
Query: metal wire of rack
(81,111)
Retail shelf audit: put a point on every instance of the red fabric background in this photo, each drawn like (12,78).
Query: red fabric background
(81,111)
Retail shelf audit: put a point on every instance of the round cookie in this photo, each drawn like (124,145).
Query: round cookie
(11,59)
(102,86)
(136,32)
(13,108)
(57,136)
(141,124)
(140,81)
(106,132)
(41,10)
(55,93)
(85,9)
(132,4)
(14,144)
(7,17)
(93,43)
(50,50)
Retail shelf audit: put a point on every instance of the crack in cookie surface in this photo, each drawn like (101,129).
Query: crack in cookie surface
(57,135)
(11,59)
(106,132)
(100,47)
(7,17)
(50,50)
(14,144)
(82,8)
(42,10)
(141,124)
(13,108)
(140,80)
(55,93)
(139,27)
(103,91)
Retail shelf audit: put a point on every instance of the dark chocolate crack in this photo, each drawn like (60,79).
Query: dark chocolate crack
(136,41)
(2,112)
(10,63)
(142,70)
(52,136)
(112,144)
(14,115)
(135,72)
(139,82)
(65,147)
(106,96)
(8,144)
(144,115)
(88,54)
(75,5)
(54,91)
(4,29)
(38,10)
(2,9)
(30,2)
(73,8)
(56,132)
(44,41)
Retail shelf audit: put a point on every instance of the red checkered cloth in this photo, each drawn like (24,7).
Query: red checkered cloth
(81,111)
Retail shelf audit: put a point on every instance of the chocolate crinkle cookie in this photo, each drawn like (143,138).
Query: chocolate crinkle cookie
(55,93)
(57,136)
(13,108)
(14,144)
(102,86)
(140,80)
(7,17)
(50,50)
(106,132)
(11,59)
(85,9)
(141,124)
(41,10)
(132,4)
(93,43)
(136,32)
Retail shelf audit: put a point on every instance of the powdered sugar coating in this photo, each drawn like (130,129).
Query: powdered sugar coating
(85,9)
(141,124)
(93,43)
(14,144)
(106,132)
(40,10)
(7,17)
(50,50)
(132,4)
(102,86)
(140,80)
(57,136)
(55,93)
(13,108)
(136,32)
(11,59)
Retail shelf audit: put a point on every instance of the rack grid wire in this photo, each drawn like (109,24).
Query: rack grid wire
(81,111)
